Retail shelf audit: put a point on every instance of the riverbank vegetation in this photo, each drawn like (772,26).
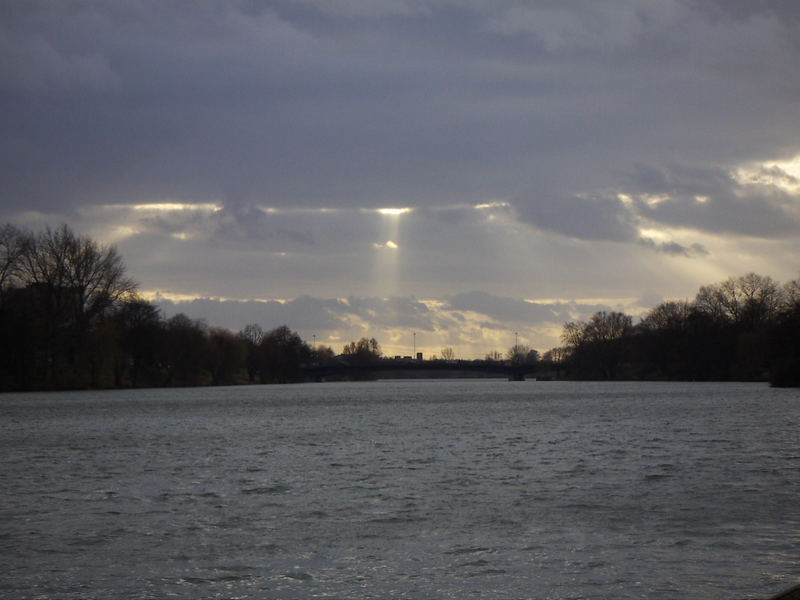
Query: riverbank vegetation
(71,318)
(743,329)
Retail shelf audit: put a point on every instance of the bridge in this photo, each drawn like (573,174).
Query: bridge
(405,368)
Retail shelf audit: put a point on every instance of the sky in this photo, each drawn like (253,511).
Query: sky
(431,173)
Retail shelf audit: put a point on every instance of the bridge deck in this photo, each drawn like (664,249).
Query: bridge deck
(514,372)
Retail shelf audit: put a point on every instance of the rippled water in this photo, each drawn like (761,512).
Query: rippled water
(412,489)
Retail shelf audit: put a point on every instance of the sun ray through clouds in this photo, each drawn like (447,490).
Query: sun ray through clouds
(387,252)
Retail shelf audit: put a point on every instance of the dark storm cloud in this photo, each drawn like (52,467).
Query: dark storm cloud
(368,102)
(589,218)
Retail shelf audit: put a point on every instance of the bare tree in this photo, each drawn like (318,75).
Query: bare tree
(365,348)
(572,335)
(252,334)
(283,353)
(227,353)
(752,299)
(184,350)
(12,243)
(448,353)
(97,273)
(141,332)
(595,346)
(72,281)
(322,353)
(667,316)
(91,275)
(518,353)
(791,293)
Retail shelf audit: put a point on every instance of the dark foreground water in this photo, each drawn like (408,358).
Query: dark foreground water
(412,489)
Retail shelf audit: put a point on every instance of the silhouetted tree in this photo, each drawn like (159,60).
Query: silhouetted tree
(743,309)
(141,333)
(663,341)
(784,341)
(554,360)
(322,354)
(252,335)
(283,354)
(791,294)
(555,356)
(521,354)
(448,353)
(71,283)
(364,350)
(12,244)
(184,351)
(750,300)
(596,348)
(22,353)
(227,353)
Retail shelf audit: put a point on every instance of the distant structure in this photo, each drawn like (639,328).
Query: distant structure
(419,356)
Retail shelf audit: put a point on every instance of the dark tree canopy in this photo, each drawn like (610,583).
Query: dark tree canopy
(750,300)
(63,287)
(364,349)
(282,354)
(738,329)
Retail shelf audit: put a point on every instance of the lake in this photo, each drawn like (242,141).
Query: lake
(402,489)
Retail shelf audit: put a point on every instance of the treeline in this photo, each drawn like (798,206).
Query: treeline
(743,329)
(70,318)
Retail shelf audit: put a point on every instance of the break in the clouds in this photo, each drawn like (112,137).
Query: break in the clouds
(541,152)
(471,323)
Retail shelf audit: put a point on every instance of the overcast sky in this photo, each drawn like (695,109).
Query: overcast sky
(544,160)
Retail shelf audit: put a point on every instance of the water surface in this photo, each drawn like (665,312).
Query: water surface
(402,489)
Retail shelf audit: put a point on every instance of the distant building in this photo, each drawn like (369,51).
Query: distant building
(419,355)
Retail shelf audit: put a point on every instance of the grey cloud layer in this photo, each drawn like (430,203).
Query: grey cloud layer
(360,315)
(609,136)
(369,103)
